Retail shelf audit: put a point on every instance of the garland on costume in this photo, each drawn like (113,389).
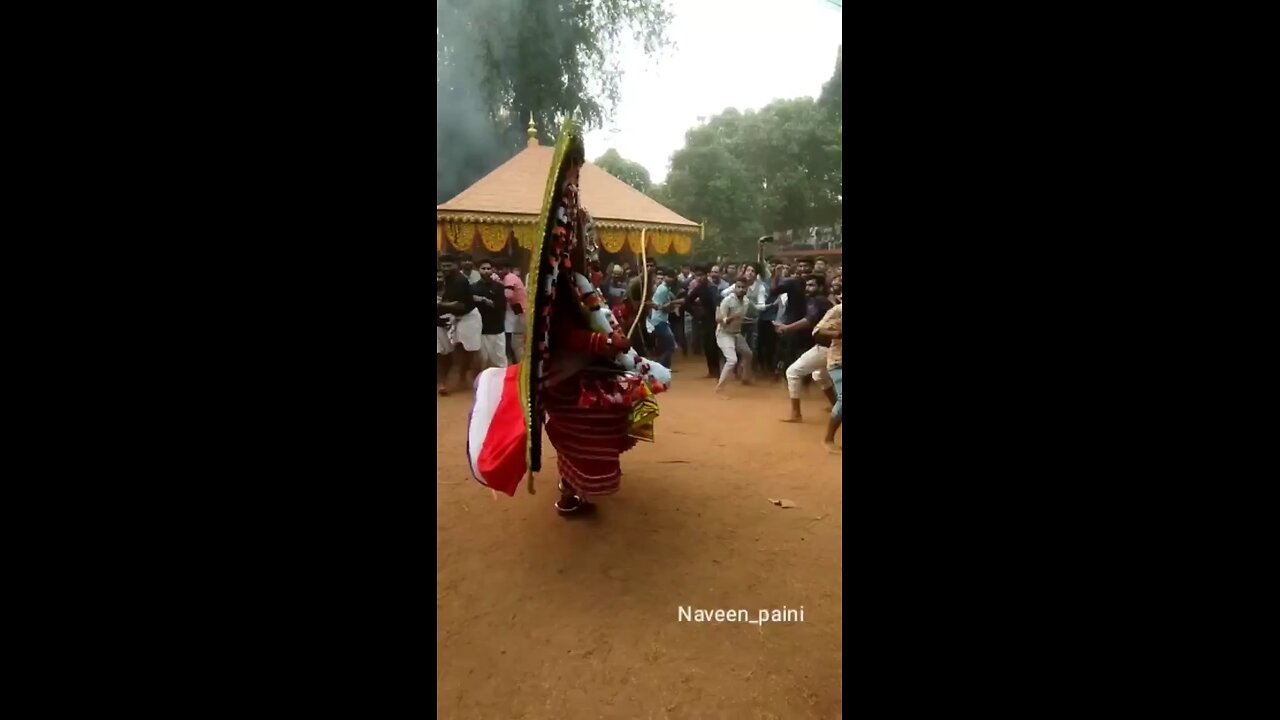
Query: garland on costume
(644,287)
(537,329)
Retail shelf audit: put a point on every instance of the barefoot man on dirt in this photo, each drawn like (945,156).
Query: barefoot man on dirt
(812,358)
(830,332)
(517,301)
(460,344)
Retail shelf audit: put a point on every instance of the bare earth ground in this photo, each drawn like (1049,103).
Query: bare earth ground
(539,616)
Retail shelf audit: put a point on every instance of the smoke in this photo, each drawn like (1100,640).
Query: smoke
(499,61)
(481,45)
(467,140)
(467,143)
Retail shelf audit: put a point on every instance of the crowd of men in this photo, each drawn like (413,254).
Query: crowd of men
(479,317)
(777,319)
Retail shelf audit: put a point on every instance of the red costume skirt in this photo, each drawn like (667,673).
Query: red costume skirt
(588,440)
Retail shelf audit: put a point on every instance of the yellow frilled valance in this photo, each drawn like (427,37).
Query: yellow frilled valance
(526,235)
(493,237)
(661,242)
(611,241)
(461,237)
(473,237)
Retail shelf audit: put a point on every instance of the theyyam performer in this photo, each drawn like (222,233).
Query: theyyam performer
(578,375)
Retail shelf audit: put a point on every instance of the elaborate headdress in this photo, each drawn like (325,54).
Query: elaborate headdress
(560,249)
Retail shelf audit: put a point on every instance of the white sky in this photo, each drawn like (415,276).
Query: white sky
(729,53)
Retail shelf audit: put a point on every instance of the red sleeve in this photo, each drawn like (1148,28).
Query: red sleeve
(593,343)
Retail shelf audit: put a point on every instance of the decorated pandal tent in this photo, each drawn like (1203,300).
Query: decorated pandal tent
(497,215)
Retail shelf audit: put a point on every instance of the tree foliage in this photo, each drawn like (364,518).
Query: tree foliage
(745,174)
(631,173)
(498,62)
(831,97)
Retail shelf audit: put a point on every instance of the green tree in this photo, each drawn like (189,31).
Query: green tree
(631,173)
(498,62)
(831,99)
(710,183)
(658,192)
(793,148)
(831,90)
(745,174)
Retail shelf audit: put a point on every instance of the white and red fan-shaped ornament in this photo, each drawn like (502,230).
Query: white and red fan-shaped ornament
(496,437)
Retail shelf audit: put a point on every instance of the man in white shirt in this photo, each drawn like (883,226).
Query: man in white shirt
(469,268)
(729,318)
(757,299)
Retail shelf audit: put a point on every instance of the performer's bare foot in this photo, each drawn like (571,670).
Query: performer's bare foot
(720,393)
(442,389)
(792,420)
(831,447)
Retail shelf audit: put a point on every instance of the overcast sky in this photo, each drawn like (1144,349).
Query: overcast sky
(729,53)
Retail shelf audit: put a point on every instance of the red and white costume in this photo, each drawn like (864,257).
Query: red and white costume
(578,377)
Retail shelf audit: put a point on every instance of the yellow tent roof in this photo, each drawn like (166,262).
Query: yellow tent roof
(516,188)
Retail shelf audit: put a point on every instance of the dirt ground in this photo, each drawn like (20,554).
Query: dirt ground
(539,616)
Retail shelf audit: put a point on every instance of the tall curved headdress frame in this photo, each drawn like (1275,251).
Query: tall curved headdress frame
(530,361)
